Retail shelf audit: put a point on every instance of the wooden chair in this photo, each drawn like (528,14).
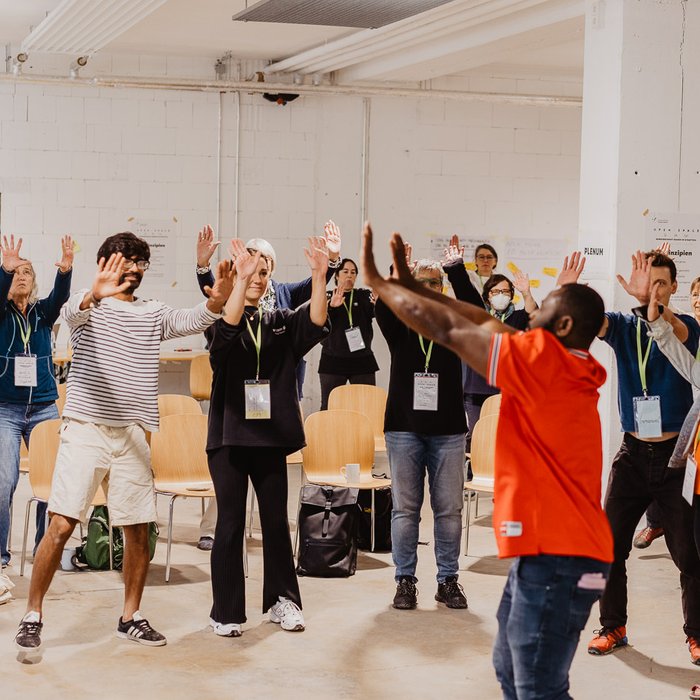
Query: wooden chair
(491,405)
(43,447)
(335,438)
(201,376)
(366,399)
(180,465)
(483,464)
(61,400)
(178,404)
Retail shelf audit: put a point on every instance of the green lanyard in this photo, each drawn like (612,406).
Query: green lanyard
(25,330)
(495,315)
(427,354)
(257,341)
(642,362)
(349,310)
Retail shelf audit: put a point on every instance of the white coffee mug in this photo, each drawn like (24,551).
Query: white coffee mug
(351,472)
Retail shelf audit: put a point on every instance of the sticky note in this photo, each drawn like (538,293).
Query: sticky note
(549,271)
(645,212)
(516,299)
(470,265)
(534,283)
(513,267)
(76,247)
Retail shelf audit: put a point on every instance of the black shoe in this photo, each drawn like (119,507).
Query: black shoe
(138,630)
(406,597)
(28,636)
(451,594)
(205,543)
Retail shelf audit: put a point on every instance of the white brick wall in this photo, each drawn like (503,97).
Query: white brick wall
(91,160)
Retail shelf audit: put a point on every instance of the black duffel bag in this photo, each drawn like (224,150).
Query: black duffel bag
(382,520)
(328,521)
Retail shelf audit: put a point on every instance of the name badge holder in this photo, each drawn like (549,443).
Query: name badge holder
(425,384)
(258,405)
(25,362)
(353,335)
(647,409)
(691,473)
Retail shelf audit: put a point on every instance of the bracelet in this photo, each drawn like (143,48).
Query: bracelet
(203,270)
(334,264)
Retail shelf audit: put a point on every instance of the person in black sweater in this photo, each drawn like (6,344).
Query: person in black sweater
(424,428)
(254,422)
(346,355)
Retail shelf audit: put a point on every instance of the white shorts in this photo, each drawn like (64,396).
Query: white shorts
(91,454)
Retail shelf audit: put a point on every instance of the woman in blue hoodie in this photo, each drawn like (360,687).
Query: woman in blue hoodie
(27,386)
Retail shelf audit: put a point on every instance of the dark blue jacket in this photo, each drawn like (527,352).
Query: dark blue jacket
(41,316)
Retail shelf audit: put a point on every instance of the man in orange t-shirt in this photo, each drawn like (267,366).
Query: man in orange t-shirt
(548,463)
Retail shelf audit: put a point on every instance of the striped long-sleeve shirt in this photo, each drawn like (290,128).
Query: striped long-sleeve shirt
(113,379)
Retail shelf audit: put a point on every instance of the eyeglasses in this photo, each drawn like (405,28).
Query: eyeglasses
(493,292)
(430,282)
(485,258)
(143,265)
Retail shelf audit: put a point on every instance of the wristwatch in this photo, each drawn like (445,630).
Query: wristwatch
(203,270)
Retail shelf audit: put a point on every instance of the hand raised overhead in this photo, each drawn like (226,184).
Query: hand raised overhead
(11,259)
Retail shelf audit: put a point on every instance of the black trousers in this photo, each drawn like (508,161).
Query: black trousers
(640,475)
(331,381)
(230,468)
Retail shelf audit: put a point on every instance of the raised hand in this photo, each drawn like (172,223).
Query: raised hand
(571,269)
(331,232)
(454,252)
(67,253)
(10,253)
(408,254)
(337,298)
(640,278)
(223,286)
(245,263)
(317,254)
(106,282)
(521,281)
(653,308)
(206,246)
(664,249)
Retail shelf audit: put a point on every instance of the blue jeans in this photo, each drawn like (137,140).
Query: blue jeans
(17,421)
(542,613)
(411,455)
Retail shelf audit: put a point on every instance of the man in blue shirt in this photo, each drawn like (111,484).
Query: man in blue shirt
(653,400)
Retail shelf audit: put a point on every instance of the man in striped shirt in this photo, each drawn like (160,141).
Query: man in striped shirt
(112,400)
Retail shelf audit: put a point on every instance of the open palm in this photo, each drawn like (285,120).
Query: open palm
(11,259)
(106,282)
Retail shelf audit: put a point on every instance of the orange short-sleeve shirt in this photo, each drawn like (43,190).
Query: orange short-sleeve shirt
(548,449)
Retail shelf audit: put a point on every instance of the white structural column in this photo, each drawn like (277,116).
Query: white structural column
(640,149)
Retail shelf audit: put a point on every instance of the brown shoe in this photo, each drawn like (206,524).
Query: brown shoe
(694,649)
(607,640)
(647,536)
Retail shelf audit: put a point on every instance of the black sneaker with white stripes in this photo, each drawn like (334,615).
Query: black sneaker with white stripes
(28,636)
(138,630)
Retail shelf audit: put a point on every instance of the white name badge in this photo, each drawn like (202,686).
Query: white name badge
(425,392)
(355,341)
(257,399)
(691,471)
(647,416)
(25,370)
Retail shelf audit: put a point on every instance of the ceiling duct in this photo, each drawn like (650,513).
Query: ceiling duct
(363,14)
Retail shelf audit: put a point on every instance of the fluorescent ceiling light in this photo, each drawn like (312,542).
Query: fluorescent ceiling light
(83,27)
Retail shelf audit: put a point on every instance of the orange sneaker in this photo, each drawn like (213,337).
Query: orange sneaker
(646,536)
(607,640)
(694,649)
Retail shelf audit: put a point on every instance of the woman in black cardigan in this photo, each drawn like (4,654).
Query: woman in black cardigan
(254,423)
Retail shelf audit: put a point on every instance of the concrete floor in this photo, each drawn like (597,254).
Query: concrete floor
(355,644)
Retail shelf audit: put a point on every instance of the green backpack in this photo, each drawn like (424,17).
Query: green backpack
(94,551)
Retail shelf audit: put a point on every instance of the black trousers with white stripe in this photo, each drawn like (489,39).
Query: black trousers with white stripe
(230,468)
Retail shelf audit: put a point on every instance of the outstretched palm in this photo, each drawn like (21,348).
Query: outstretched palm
(332,234)
(67,254)
(206,246)
(317,254)
(640,278)
(571,269)
(10,253)
(521,281)
(106,282)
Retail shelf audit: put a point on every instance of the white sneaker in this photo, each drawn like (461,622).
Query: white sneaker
(233,629)
(287,614)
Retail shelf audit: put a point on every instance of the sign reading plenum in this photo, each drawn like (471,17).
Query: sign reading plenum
(682,231)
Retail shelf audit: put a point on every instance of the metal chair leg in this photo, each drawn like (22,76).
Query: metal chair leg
(296,533)
(245,558)
(26,534)
(111,543)
(251,509)
(467,523)
(371,517)
(170,538)
(9,532)
(476,505)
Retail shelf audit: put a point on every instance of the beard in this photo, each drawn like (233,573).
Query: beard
(133,283)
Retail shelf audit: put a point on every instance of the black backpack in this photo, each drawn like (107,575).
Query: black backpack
(328,522)
(382,520)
